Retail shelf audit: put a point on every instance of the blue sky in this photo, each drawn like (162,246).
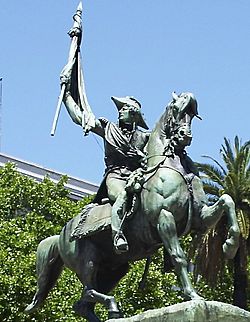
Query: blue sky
(142,48)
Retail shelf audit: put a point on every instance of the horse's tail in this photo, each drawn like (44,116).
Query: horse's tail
(49,266)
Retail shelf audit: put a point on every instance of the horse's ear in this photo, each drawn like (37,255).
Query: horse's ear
(175,96)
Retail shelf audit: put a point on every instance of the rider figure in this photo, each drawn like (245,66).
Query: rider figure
(124,144)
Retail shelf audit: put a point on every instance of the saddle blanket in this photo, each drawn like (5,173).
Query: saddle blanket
(94,218)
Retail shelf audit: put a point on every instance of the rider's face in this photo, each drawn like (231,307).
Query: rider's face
(127,114)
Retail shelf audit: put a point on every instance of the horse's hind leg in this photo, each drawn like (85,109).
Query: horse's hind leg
(85,306)
(210,215)
(87,273)
(91,295)
(167,231)
(106,280)
(86,309)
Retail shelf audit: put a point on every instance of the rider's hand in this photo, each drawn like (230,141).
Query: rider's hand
(103,121)
(66,74)
(74,32)
(135,154)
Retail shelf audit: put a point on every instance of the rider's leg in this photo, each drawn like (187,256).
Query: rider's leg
(118,211)
(167,231)
(118,194)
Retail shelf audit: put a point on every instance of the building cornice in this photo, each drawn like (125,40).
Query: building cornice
(78,188)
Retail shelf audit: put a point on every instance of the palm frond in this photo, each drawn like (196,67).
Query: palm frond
(227,154)
(231,186)
(216,162)
(232,178)
(246,145)
(242,161)
(211,188)
(212,172)
(237,145)
(209,257)
(245,166)
(244,223)
(212,199)
(246,202)
(239,160)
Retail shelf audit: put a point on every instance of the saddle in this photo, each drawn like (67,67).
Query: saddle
(96,217)
(93,218)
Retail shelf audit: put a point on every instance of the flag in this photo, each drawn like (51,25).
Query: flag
(72,73)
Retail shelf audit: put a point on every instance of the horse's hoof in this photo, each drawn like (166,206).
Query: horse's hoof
(32,306)
(231,244)
(229,250)
(193,296)
(197,297)
(115,315)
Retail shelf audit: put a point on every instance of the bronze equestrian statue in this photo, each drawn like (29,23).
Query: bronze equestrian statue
(161,186)
(172,204)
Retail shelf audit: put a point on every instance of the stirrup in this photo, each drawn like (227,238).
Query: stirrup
(120,244)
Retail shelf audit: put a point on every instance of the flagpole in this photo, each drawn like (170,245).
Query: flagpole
(74,34)
(58,109)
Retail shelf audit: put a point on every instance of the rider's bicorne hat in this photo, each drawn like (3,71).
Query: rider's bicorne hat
(131,101)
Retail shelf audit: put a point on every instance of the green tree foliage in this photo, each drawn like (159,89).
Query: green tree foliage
(233,178)
(30,212)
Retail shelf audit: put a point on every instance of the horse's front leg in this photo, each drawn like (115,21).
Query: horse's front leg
(210,215)
(167,231)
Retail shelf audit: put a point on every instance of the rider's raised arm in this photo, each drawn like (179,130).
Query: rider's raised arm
(82,116)
(72,83)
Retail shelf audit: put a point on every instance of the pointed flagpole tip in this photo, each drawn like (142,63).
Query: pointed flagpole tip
(79,8)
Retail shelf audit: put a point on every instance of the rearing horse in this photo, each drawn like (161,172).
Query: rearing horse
(172,203)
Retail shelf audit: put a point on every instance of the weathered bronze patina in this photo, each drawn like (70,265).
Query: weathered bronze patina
(169,202)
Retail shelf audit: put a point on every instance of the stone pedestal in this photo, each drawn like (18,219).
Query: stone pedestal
(192,311)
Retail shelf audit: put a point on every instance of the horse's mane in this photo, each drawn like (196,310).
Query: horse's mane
(161,136)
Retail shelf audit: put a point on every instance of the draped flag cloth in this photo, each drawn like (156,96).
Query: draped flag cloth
(72,74)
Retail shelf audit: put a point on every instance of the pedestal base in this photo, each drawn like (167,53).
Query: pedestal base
(192,311)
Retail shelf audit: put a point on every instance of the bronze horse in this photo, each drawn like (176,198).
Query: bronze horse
(172,203)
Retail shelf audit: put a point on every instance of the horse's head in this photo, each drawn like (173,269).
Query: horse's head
(177,121)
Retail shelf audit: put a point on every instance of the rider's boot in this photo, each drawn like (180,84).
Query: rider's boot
(117,218)
(120,243)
